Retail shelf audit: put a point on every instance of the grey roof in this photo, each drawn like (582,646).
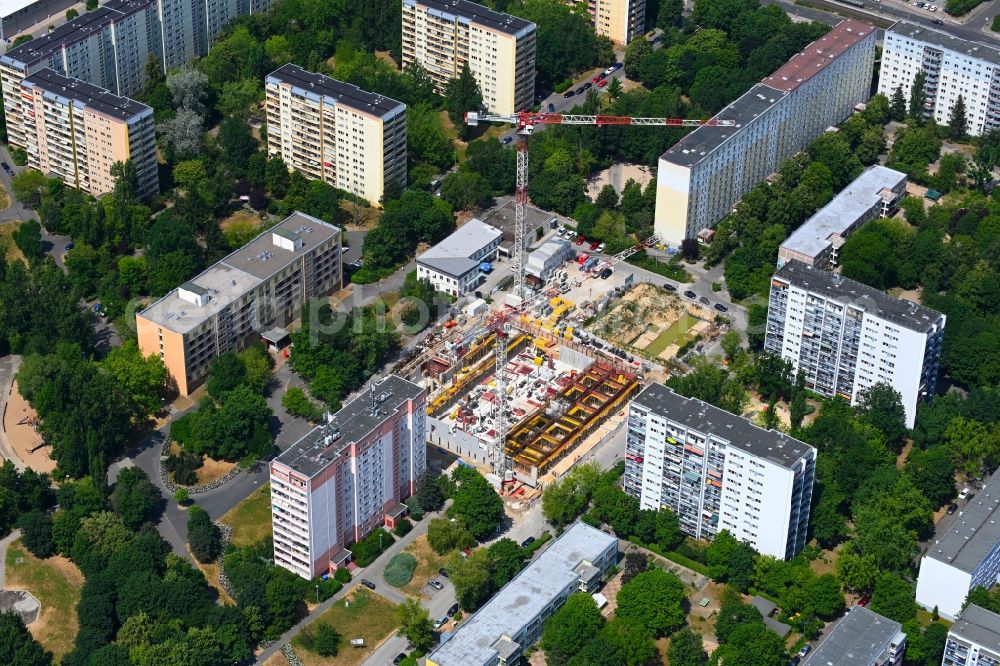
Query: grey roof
(835,218)
(694,147)
(67,90)
(859,638)
(465,11)
(980,626)
(453,255)
(907,314)
(239,273)
(310,83)
(523,599)
(771,445)
(974,534)
(946,41)
(314,452)
(503,218)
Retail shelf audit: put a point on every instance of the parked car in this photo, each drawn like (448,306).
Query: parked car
(367,583)
(598,77)
(507,139)
(933,8)
(606,273)
(720,307)
(670,287)
(436,584)
(952,508)
(594,245)
(580,240)
(568,94)
(863,601)
(527,542)
(579,90)
(615,67)
(70,246)
(937,22)
(441,621)
(704,300)
(602,247)
(965,493)
(399,658)
(690,294)
(443,572)
(794,661)
(602,83)
(806,649)
(588,85)
(453,609)
(552,107)
(583,257)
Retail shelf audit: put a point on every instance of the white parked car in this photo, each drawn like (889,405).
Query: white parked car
(933,8)
(601,247)
(964,494)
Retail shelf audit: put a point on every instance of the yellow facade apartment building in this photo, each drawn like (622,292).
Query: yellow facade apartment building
(245,295)
(76,131)
(443,35)
(335,132)
(619,20)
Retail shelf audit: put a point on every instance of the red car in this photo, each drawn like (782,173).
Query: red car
(583,257)
(598,78)
(580,240)
(602,83)
(594,244)
(863,601)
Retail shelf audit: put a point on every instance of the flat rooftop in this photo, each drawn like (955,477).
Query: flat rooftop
(313,453)
(980,626)
(452,255)
(859,638)
(94,98)
(472,12)
(76,30)
(240,272)
(523,599)
(812,59)
(502,217)
(835,218)
(974,534)
(834,286)
(947,42)
(705,139)
(770,445)
(347,94)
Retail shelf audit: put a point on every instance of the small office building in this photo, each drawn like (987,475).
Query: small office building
(455,265)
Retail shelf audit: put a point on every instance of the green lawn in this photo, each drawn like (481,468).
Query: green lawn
(56,583)
(251,518)
(675,333)
(362,614)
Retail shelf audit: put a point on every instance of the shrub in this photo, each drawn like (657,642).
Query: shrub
(343,575)
(324,589)
(366,550)
(298,403)
(403,528)
(183,468)
(400,570)
(204,535)
(325,641)
(19,155)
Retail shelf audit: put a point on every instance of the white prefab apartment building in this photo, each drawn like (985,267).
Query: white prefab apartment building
(717,471)
(871,195)
(512,621)
(974,640)
(453,265)
(702,176)
(443,35)
(967,556)
(335,132)
(846,336)
(861,638)
(347,477)
(954,67)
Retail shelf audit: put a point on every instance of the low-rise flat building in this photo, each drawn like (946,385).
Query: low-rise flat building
(846,336)
(77,132)
(453,265)
(444,35)
(966,556)
(259,286)
(511,622)
(336,132)
(347,477)
(717,471)
(548,258)
(974,639)
(861,638)
(871,195)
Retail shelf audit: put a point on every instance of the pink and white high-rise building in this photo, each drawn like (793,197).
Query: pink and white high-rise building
(348,477)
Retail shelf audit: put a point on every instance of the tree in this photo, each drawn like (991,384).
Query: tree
(462,95)
(134,497)
(188,89)
(237,145)
(276,178)
(425,136)
(183,132)
(326,641)
(506,559)
(615,88)
(445,535)
(298,403)
(570,628)
(478,505)
(881,406)
(203,535)
(225,373)
(653,600)
(894,598)
(752,644)
(28,238)
(897,105)
(27,187)
(104,532)
(607,198)
(17,647)
(36,534)
(730,560)
(428,493)
(637,51)
(415,624)
(687,649)
(958,124)
(933,473)
(973,445)
(635,563)
(917,97)
(142,378)
(471,578)
(465,190)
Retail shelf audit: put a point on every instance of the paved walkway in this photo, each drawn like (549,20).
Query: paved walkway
(8,370)
(4,543)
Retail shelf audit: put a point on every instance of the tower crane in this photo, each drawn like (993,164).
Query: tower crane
(499,321)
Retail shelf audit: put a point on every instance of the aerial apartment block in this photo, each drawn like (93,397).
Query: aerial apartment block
(974,639)
(619,20)
(109,46)
(248,293)
(77,131)
(873,194)
(348,476)
(443,35)
(953,67)
(861,638)
(717,471)
(20,15)
(335,132)
(703,175)
(512,621)
(967,556)
(846,336)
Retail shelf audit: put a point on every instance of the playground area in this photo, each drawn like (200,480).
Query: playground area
(652,321)
(20,427)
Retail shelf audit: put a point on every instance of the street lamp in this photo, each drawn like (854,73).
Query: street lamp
(317,592)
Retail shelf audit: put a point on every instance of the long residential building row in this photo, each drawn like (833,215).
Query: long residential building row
(110,46)
(701,178)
